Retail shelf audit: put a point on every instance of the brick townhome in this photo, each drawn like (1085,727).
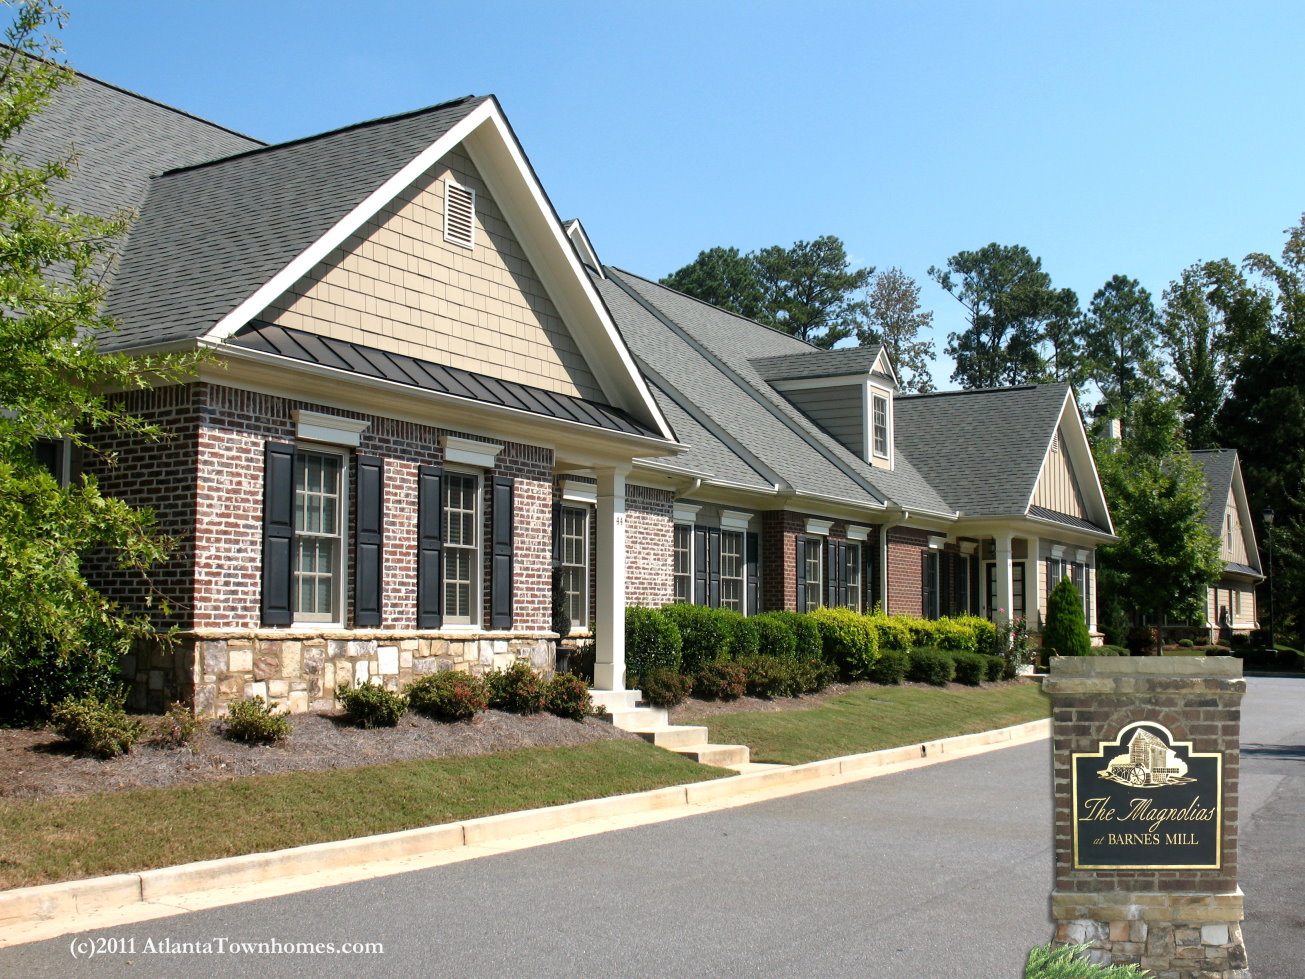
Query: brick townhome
(425,393)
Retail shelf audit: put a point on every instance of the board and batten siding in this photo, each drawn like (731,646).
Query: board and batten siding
(1057,488)
(1233,551)
(397,285)
(840,411)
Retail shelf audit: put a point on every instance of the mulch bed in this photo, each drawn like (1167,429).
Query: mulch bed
(36,763)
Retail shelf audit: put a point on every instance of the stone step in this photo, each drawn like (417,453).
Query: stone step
(615,699)
(637,718)
(721,755)
(676,736)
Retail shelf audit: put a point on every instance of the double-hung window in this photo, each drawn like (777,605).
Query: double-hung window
(574,562)
(682,550)
(319,508)
(462,543)
(732,562)
(879,410)
(811,556)
(852,575)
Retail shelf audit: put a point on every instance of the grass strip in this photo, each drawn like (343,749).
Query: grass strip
(885,717)
(66,838)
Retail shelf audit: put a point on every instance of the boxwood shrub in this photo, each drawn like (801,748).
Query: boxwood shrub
(775,634)
(970,668)
(985,632)
(807,641)
(849,641)
(745,637)
(651,640)
(933,666)
(955,636)
(891,667)
(705,635)
(894,632)
(994,667)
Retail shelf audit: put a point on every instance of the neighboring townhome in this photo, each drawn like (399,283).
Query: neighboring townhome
(1230,607)
(427,404)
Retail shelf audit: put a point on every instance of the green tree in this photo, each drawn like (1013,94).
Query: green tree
(724,277)
(1120,332)
(810,289)
(1212,318)
(893,317)
(1013,311)
(53,266)
(1066,630)
(1165,557)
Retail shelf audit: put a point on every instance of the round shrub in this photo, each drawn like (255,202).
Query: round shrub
(453,695)
(745,637)
(770,677)
(807,641)
(651,640)
(666,688)
(849,641)
(1186,643)
(932,666)
(954,636)
(721,680)
(922,631)
(775,635)
(517,689)
(568,696)
(255,721)
(890,668)
(1065,630)
(970,669)
(99,727)
(994,667)
(704,634)
(894,632)
(370,705)
(985,632)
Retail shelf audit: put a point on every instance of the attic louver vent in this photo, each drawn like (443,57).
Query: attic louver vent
(459,214)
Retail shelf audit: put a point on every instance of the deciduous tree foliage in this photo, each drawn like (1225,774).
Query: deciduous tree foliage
(1165,557)
(53,266)
(894,318)
(1013,312)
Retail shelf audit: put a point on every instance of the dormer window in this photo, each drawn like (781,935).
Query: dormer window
(880,425)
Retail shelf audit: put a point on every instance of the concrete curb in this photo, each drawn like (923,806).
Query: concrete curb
(76,897)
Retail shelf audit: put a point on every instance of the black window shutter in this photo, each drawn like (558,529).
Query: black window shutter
(840,571)
(557,534)
(278,533)
(928,584)
(713,567)
(430,548)
(831,573)
(974,584)
(699,565)
(369,540)
(500,591)
(753,545)
(800,545)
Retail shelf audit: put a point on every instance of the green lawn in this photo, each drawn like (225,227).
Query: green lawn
(65,838)
(882,717)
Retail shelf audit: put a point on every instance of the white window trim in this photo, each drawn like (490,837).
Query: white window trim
(821,544)
(469,452)
(855,533)
(735,520)
(742,576)
(314,426)
(574,491)
(685,513)
(819,527)
(873,391)
(687,525)
(588,510)
(338,599)
(478,562)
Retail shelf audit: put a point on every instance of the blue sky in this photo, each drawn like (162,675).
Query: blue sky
(1132,138)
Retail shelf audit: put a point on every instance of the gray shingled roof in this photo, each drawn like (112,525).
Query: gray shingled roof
(211,235)
(818,363)
(122,140)
(774,430)
(982,450)
(1217,467)
(355,358)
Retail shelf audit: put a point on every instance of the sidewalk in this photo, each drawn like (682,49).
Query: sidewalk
(38,913)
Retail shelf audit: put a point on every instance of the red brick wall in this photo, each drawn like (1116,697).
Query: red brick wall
(780,530)
(905,585)
(649,562)
(159,475)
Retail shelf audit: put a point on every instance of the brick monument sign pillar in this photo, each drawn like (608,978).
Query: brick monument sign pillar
(1147,751)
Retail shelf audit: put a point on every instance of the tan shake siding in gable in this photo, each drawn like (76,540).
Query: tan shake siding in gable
(1057,488)
(1234,551)
(399,286)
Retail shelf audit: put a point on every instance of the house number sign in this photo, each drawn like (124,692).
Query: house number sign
(1146,801)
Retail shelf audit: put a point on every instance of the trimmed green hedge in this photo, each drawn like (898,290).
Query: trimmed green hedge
(652,640)
(849,640)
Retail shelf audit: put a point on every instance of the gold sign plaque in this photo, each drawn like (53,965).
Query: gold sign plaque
(1147,802)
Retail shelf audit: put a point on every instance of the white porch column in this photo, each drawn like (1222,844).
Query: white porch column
(609,656)
(1005,586)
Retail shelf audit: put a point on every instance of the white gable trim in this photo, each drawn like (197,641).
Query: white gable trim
(511,180)
(1244,515)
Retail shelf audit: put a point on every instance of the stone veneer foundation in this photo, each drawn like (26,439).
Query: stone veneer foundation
(300,672)
(1178,923)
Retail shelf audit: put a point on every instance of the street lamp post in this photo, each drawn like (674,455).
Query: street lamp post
(1268,522)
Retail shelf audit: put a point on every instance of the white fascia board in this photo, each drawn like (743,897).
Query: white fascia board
(284,377)
(304,262)
(806,383)
(887,363)
(502,164)
(575,231)
(1244,515)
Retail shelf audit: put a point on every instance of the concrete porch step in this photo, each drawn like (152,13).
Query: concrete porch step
(677,736)
(720,755)
(653,724)
(610,700)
